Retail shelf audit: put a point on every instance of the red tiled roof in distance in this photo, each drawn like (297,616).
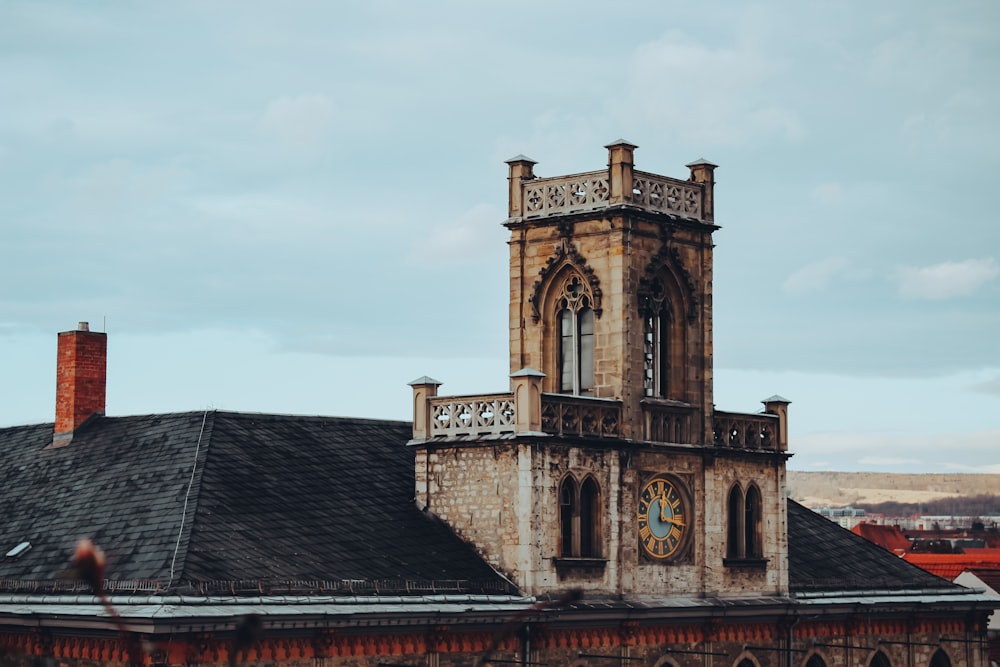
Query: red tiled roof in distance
(889,538)
(950,566)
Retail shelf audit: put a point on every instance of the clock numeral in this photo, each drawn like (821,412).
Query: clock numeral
(675,533)
(645,533)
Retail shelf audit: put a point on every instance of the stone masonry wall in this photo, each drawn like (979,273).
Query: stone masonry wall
(503,499)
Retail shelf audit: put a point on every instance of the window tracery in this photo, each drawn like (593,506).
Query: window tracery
(656,318)
(575,319)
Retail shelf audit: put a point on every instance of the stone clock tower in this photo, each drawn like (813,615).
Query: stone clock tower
(607,466)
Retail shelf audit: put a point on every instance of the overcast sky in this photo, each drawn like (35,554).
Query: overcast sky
(296,207)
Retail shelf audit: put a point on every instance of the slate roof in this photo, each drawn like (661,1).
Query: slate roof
(254,503)
(823,557)
(229,497)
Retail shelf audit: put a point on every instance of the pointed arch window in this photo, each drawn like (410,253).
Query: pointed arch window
(751,523)
(744,539)
(576,339)
(734,532)
(940,659)
(656,317)
(579,519)
(880,659)
(567,498)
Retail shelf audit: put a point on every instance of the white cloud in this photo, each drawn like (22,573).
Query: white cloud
(971,451)
(946,280)
(467,238)
(300,121)
(829,193)
(888,461)
(726,92)
(816,275)
(991,386)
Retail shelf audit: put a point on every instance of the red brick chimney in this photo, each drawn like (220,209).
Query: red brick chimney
(81,380)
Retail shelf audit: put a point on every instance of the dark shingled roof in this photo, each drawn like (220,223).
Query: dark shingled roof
(222,496)
(248,502)
(822,556)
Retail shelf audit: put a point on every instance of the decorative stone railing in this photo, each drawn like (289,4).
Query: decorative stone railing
(668,423)
(472,415)
(618,185)
(738,430)
(525,410)
(587,192)
(576,415)
(669,195)
(566,194)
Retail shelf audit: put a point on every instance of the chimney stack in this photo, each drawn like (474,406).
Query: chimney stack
(81,380)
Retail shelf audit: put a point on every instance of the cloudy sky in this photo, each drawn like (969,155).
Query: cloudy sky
(296,207)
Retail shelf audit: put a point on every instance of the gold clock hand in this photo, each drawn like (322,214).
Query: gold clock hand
(663,506)
(676,522)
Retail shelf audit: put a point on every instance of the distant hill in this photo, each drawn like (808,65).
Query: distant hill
(839,489)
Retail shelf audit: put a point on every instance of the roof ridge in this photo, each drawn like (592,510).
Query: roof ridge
(229,413)
(286,415)
(189,513)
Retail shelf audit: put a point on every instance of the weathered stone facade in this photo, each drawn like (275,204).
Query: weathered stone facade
(622,249)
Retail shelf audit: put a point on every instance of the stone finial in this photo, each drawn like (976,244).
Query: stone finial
(621,156)
(424,389)
(703,171)
(521,169)
(778,405)
(526,385)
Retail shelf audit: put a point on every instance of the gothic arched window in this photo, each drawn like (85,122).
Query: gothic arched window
(940,659)
(588,519)
(744,537)
(656,338)
(880,659)
(751,523)
(576,339)
(579,519)
(734,523)
(567,508)
(815,660)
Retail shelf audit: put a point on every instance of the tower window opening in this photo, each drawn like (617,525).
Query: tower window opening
(655,351)
(579,519)
(576,340)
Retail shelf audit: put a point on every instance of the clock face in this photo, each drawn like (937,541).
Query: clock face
(663,518)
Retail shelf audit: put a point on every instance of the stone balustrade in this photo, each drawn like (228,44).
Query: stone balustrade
(666,422)
(577,415)
(738,430)
(488,414)
(566,194)
(525,410)
(590,191)
(667,195)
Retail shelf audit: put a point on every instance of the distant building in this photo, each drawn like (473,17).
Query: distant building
(845,517)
